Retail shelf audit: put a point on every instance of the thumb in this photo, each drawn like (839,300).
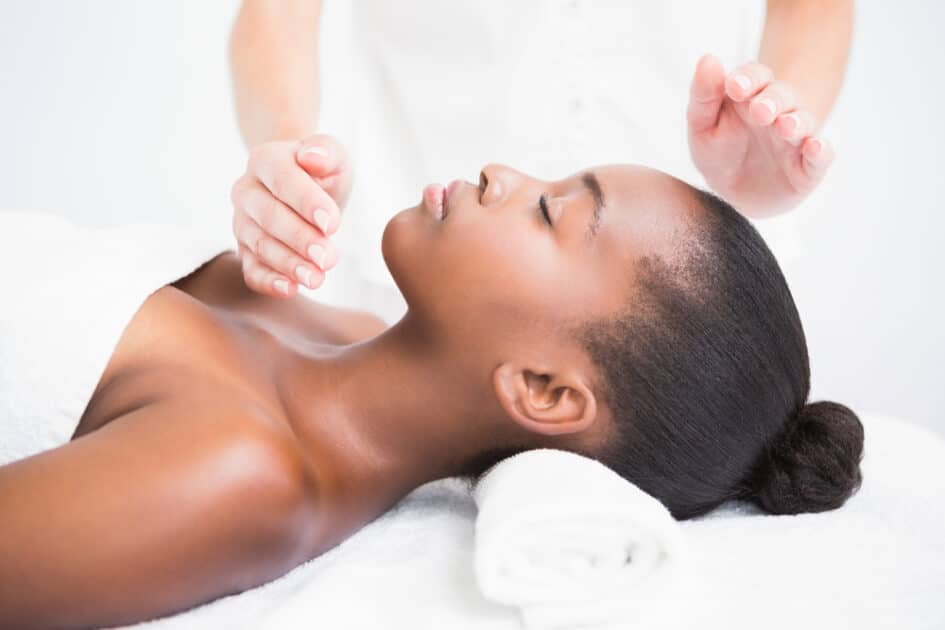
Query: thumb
(706,94)
(317,155)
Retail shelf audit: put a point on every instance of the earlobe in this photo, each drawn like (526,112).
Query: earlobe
(545,403)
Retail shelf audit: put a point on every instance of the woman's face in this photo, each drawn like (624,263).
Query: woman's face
(495,268)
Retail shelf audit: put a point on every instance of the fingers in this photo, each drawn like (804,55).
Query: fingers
(262,279)
(770,102)
(282,248)
(321,155)
(706,94)
(280,222)
(796,126)
(745,81)
(273,261)
(294,187)
(774,99)
(816,157)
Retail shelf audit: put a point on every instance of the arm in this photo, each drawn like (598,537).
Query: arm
(274,62)
(806,44)
(289,201)
(149,515)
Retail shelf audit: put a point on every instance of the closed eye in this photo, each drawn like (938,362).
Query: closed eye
(543,204)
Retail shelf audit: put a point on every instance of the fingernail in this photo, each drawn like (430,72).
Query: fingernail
(282,286)
(816,146)
(742,81)
(320,217)
(317,150)
(304,274)
(793,123)
(768,104)
(318,254)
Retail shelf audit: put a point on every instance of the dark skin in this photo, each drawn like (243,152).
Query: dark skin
(230,438)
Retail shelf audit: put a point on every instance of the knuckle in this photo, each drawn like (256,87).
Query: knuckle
(276,256)
(266,249)
(246,235)
(269,209)
(258,154)
(254,240)
(236,190)
(277,184)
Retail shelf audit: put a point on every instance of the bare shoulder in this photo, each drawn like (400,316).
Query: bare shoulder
(212,500)
(259,472)
(242,466)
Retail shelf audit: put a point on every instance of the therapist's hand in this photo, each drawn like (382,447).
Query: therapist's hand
(754,142)
(286,206)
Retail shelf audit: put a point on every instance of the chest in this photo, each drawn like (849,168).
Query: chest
(208,340)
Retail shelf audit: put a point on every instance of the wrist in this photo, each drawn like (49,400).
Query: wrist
(289,129)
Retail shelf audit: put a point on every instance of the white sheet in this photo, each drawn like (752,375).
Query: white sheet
(877,562)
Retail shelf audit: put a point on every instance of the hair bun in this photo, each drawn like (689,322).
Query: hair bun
(814,465)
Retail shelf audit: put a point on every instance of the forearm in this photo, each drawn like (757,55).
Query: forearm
(806,43)
(274,64)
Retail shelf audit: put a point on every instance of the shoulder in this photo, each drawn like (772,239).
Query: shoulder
(239,472)
(263,473)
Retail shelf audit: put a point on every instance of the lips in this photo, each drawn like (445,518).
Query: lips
(434,198)
(437,198)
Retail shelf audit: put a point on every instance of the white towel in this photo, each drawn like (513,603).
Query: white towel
(67,294)
(568,541)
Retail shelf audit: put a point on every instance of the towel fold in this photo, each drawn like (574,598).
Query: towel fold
(568,541)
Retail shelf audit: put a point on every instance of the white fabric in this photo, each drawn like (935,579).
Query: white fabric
(569,541)
(68,292)
(878,562)
(420,91)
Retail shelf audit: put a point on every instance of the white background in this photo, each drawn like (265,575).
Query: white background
(115,111)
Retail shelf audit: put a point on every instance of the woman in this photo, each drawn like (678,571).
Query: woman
(618,313)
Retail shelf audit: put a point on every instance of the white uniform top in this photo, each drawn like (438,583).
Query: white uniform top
(423,91)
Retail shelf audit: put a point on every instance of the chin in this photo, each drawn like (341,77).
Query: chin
(406,248)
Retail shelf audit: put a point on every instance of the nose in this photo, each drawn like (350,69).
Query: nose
(497,182)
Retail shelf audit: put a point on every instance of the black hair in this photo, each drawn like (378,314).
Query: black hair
(706,376)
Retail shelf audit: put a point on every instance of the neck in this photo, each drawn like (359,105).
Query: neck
(391,413)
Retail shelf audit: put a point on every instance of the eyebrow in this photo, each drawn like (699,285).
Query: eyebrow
(592,184)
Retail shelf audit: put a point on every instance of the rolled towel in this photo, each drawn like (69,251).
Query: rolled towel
(570,542)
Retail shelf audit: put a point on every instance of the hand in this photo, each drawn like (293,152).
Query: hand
(751,140)
(285,207)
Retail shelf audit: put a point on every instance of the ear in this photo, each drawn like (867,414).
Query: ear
(550,403)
